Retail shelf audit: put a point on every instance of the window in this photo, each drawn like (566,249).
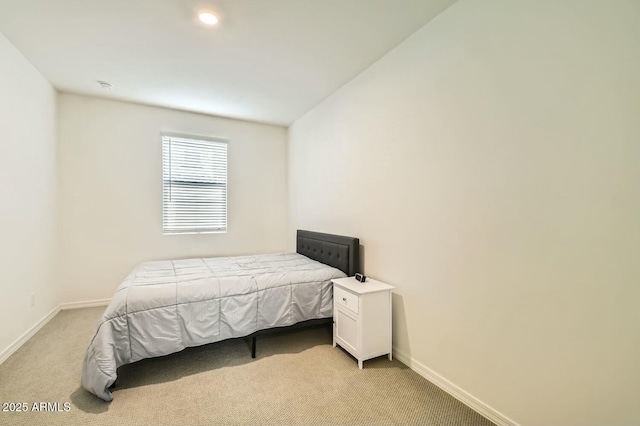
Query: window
(194,185)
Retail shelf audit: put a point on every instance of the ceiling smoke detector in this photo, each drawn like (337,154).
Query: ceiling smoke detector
(105,85)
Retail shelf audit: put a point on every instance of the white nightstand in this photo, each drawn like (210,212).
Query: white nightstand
(362,317)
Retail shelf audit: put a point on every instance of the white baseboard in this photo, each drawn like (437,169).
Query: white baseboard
(85,304)
(453,390)
(33,330)
(27,335)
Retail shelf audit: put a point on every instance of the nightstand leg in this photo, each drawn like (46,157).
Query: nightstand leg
(390,357)
(360,364)
(334,343)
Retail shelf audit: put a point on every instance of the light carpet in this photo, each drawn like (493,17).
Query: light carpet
(298,378)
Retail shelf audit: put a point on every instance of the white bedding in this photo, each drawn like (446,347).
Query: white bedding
(163,307)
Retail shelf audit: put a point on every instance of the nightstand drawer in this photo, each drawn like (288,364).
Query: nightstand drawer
(346,299)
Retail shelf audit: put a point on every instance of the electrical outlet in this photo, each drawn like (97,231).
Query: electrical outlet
(33,299)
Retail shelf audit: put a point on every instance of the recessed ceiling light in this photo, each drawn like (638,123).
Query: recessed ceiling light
(208,18)
(105,85)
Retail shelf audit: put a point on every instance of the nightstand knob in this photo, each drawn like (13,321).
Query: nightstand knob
(344,299)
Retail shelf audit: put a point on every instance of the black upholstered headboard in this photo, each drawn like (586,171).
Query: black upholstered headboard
(333,250)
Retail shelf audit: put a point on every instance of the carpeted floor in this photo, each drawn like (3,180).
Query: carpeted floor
(297,378)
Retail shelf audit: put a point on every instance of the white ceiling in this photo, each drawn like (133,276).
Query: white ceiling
(267,60)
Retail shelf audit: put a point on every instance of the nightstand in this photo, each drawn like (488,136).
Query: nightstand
(362,317)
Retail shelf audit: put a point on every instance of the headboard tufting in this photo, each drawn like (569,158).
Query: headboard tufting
(334,250)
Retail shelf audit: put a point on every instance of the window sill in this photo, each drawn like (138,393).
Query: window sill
(193,232)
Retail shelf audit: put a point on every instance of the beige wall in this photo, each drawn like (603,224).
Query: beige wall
(111,191)
(490,165)
(27,196)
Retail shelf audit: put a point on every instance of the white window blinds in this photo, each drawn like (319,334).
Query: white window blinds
(194,185)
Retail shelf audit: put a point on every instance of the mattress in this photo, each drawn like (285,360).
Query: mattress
(162,307)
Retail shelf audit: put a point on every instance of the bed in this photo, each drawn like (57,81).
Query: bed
(163,307)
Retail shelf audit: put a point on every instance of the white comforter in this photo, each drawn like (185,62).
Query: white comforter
(163,307)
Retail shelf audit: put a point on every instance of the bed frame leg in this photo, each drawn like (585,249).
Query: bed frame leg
(253,347)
